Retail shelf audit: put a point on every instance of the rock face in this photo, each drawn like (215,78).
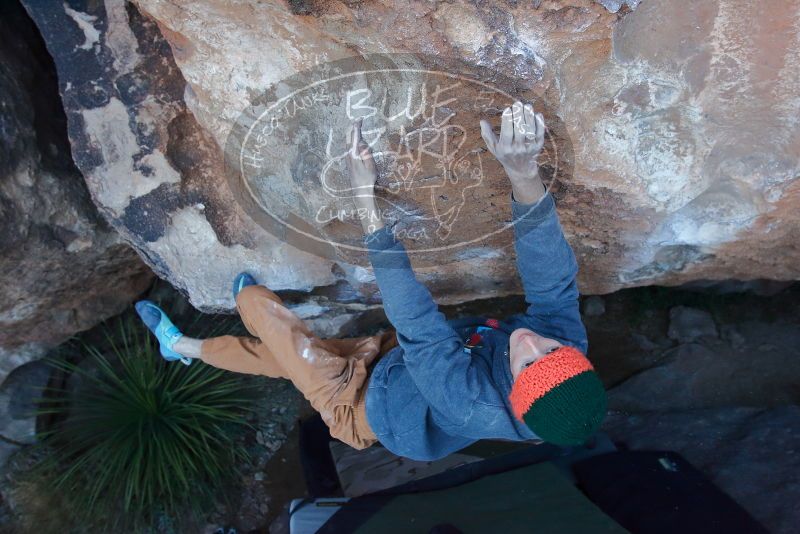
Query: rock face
(673,148)
(736,447)
(717,384)
(689,324)
(18,404)
(62,268)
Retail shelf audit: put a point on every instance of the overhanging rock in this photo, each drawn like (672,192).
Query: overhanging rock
(673,152)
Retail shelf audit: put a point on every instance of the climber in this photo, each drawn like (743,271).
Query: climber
(433,386)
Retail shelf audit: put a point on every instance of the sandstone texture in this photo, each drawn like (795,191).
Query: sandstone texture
(62,267)
(673,146)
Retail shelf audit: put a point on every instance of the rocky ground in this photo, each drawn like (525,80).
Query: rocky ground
(714,377)
(710,374)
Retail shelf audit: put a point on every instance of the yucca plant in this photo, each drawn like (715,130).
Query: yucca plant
(139,439)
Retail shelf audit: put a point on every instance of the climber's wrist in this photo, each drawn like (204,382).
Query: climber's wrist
(527,189)
(365,202)
(522,176)
(371,222)
(368,214)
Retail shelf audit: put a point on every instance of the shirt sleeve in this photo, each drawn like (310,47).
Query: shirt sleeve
(548,269)
(433,352)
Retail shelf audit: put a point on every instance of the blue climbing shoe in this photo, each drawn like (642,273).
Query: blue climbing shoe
(241,281)
(166,333)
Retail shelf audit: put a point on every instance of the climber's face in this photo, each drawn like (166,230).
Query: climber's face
(526,346)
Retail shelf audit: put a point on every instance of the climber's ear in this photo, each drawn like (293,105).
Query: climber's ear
(488,136)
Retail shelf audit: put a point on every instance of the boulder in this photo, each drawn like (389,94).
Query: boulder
(210,135)
(18,397)
(695,375)
(689,324)
(736,447)
(593,306)
(753,363)
(62,267)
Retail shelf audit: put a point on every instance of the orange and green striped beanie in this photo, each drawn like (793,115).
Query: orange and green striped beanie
(560,397)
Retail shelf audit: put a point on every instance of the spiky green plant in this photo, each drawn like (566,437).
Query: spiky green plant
(139,438)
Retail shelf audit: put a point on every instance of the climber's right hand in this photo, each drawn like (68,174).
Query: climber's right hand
(521,139)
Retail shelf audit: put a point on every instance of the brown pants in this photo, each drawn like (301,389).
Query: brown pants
(331,373)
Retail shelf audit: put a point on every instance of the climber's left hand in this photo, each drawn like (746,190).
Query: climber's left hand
(360,164)
(363,175)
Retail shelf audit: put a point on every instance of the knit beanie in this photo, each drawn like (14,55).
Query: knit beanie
(560,397)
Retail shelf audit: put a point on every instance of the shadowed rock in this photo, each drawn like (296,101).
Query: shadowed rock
(62,268)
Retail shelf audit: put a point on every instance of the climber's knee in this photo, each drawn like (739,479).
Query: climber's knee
(254,296)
